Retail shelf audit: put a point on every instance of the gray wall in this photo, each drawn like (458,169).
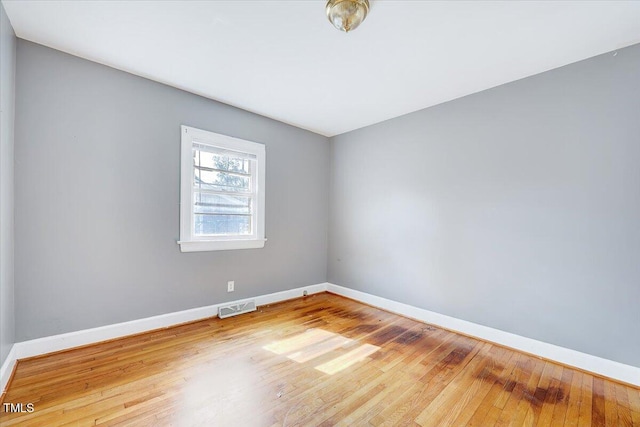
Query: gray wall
(516,208)
(7,110)
(97,192)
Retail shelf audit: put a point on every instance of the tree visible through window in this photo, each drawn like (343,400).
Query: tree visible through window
(220,204)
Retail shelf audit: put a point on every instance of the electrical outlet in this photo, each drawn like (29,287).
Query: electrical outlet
(231,286)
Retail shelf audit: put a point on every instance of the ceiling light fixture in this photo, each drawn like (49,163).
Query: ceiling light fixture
(346,15)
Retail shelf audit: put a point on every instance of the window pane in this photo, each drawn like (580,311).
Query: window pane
(221,204)
(220,181)
(224,161)
(208,224)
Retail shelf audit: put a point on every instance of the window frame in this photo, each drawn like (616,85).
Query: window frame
(189,242)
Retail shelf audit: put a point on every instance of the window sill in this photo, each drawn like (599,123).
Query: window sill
(220,245)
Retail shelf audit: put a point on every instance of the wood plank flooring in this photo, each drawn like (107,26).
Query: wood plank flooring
(322,360)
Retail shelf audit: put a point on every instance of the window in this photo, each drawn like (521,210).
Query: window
(221,192)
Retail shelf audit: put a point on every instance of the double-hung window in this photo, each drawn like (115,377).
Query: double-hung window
(221,193)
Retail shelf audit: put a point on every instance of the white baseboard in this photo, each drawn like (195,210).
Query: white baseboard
(69,340)
(608,368)
(53,343)
(290,294)
(597,365)
(7,368)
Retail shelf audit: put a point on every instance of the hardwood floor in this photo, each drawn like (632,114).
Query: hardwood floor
(322,360)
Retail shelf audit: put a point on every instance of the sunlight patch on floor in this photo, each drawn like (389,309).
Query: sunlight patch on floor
(307,338)
(348,359)
(314,343)
(319,349)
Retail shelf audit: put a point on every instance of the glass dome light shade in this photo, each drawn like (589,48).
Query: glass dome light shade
(346,15)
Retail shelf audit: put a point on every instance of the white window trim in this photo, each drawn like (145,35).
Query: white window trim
(190,243)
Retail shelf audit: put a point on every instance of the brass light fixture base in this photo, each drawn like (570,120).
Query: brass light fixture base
(346,15)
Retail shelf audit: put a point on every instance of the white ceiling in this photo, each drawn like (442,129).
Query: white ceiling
(284,60)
